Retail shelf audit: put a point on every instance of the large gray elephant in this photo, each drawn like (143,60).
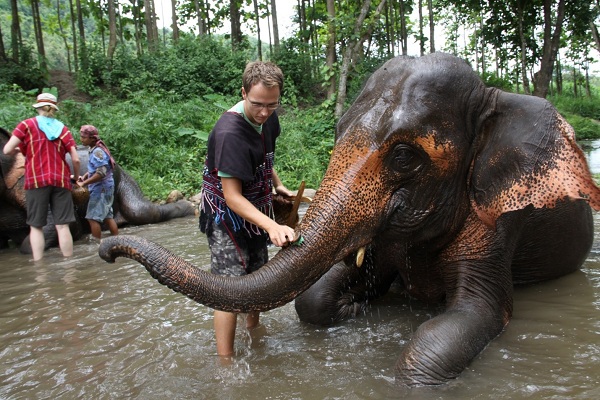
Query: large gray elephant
(458,190)
(130,204)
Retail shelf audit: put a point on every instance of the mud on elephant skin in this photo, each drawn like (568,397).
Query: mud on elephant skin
(457,190)
(130,204)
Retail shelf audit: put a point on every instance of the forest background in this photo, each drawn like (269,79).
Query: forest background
(155,88)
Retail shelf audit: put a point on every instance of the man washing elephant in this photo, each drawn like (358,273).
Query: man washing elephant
(238,182)
(458,190)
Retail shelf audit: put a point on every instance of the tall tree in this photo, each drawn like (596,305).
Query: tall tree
(202,30)
(421,35)
(74,36)
(63,35)
(331,53)
(431,27)
(15,31)
(257,16)
(2,49)
(112,29)
(236,25)
(362,30)
(37,28)
(151,27)
(541,79)
(174,24)
(275,25)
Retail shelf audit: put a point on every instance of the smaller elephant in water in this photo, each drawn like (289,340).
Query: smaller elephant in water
(130,205)
(457,190)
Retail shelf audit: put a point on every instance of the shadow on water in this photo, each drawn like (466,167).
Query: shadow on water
(83,328)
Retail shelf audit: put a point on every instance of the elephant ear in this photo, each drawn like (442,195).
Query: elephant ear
(527,155)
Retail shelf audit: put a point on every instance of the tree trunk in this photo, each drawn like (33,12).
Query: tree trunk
(559,81)
(63,35)
(351,49)
(37,28)
(275,25)
(2,49)
(74,35)
(541,79)
(524,78)
(421,37)
(236,28)
(575,91)
(137,26)
(112,29)
(102,30)
(201,26)
(331,54)
(258,44)
(588,90)
(80,23)
(596,36)
(174,24)
(403,29)
(15,32)
(151,27)
(431,27)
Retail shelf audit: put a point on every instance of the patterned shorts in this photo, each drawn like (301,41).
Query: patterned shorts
(237,257)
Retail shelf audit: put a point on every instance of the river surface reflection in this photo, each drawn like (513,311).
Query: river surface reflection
(81,328)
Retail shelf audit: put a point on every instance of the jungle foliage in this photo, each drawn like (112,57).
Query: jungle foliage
(155,97)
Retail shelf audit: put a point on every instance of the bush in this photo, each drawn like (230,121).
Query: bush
(191,68)
(26,74)
(583,113)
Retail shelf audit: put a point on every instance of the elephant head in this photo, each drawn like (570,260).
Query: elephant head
(459,190)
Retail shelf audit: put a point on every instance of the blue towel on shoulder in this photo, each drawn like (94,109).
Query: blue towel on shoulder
(50,126)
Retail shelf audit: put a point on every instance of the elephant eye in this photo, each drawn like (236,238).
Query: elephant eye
(404,158)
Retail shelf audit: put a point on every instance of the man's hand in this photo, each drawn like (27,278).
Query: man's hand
(281,235)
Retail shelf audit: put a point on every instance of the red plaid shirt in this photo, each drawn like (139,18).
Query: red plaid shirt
(45,162)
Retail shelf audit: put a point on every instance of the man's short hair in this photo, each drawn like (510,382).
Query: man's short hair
(266,72)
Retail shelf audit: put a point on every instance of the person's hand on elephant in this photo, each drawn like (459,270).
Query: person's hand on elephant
(280,235)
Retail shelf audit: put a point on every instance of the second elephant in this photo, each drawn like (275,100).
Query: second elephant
(130,205)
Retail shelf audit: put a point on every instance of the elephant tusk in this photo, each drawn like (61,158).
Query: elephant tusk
(360,257)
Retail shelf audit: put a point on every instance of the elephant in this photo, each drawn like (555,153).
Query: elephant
(130,205)
(457,191)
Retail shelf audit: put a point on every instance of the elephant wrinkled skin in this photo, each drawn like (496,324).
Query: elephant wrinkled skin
(457,190)
(130,205)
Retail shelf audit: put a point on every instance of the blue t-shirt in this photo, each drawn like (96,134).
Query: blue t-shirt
(98,159)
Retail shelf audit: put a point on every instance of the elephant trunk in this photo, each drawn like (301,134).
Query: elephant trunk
(274,285)
(337,223)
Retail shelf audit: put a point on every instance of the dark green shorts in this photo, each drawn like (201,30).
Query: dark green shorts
(60,201)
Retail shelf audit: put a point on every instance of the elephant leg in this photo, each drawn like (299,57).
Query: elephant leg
(12,225)
(343,292)
(478,304)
